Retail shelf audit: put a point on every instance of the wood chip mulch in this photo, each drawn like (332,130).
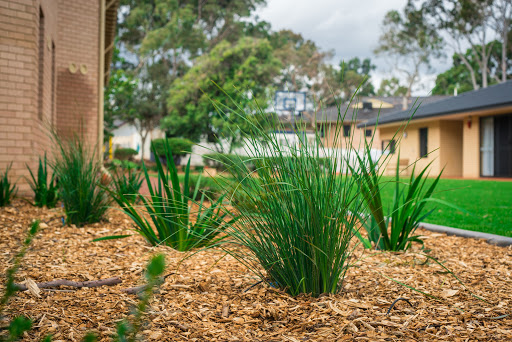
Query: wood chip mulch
(205,300)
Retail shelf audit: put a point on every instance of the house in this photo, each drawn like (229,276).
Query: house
(54,61)
(469,135)
(353,116)
(126,135)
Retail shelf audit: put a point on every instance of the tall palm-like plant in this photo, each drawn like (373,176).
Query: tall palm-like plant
(44,186)
(7,189)
(407,210)
(174,219)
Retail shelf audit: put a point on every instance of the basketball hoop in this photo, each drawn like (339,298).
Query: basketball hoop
(289,102)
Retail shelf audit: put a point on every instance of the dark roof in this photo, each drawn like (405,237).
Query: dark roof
(491,97)
(347,112)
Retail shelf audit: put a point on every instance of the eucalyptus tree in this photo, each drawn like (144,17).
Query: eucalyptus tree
(410,42)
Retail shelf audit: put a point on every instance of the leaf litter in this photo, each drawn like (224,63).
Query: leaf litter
(206,298)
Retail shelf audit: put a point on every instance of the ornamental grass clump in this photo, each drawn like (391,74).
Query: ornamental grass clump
(7,189)
(44,186)
(79,174)
(297,214)
(169,215)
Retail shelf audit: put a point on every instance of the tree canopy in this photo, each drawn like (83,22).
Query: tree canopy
(231,73)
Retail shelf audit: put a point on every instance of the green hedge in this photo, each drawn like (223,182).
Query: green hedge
(124,153)
(179,146)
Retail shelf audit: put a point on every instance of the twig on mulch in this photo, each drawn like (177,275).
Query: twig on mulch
(137,289)
(78,284)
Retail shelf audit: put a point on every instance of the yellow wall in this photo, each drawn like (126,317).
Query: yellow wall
(408,144)
(471,148)
(332,138)
(451,148)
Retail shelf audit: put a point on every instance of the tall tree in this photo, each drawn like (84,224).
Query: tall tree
(465,22)
(354,74)
(391,87)
(458,76)
(410,41)
(502,18)
(302,60)
(162,38)
(238,73)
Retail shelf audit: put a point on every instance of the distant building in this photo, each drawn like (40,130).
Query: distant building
(344,125)
(54,61)
(469,135)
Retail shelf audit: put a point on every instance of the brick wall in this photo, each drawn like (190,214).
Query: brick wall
(37,88)
(77,92)
(23,134)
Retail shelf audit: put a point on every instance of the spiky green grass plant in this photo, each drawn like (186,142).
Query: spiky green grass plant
(79,173)
(174,218)
(44,186)
(7,189)
(392,228)
(127,183)
(296,221)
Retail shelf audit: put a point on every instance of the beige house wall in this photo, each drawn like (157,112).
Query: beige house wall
(451,154)
(408,146)
(471,148)
(335,139)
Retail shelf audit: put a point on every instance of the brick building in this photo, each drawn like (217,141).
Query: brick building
(54,61)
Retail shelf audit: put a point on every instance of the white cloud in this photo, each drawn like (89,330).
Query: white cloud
(349,28)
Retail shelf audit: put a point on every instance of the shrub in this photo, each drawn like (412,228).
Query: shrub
(7,190)
(407,209)
(178,146)
(123,164)
(79,173)
(127,183)
(169,211)
(296,220)
(125,153)
(223,161)
(45,187)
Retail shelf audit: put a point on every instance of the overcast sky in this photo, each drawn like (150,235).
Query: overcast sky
(350,28)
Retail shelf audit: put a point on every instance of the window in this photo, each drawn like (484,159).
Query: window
(41,65)
(321,130)
(389,146)
(346,130)
(368,132)
(423,142)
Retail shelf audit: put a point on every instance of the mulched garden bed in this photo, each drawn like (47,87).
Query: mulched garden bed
(205,299)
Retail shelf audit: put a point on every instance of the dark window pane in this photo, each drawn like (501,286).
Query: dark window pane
(346,130)
(389,146)
(423,142)
(368,132)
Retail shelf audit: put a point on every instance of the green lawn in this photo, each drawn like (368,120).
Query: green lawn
(488,203)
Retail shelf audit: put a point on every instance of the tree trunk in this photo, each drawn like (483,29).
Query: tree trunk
(504,47)
(471,71)
(483,67)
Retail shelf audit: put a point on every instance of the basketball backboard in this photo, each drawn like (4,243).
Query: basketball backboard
(289,102)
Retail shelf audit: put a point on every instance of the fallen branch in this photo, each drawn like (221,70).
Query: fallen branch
(78,284)
(141,288)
